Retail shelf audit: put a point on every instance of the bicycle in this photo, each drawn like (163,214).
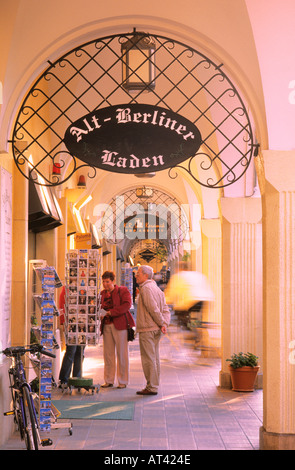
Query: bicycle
(24,411)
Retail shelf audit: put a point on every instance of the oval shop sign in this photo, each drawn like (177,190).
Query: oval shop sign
(132,138)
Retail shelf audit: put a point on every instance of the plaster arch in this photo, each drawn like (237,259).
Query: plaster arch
(105,193)
(198,202)
(50,48)
(163,198)
(185,190)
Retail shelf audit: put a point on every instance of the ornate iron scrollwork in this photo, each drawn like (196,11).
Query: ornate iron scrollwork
(89,77)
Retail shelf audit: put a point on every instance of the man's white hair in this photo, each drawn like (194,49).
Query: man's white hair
(147,270)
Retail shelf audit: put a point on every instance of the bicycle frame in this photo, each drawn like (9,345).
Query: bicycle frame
(24,410)
(18,382)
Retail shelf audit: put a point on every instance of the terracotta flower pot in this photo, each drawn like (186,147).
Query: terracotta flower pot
(243,378)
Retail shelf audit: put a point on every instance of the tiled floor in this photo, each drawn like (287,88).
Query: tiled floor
(190,411)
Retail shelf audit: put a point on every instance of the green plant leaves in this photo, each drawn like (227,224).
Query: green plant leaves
(243,359)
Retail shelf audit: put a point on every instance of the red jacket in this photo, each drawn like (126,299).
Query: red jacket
(121,304)
(61,306)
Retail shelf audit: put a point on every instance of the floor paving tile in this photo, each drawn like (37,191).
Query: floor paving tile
(191,412)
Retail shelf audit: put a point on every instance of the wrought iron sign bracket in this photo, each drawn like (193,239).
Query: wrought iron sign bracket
(88,80)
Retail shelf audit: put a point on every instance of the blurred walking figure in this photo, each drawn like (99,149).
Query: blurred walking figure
(190,294)
(186,288)
(153,318)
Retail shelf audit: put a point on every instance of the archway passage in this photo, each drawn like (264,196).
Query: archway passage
(143,213)
(89,78)
(146,223)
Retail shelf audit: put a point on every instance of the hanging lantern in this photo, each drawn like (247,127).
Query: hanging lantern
(138,61)
(81,182)
(56,169)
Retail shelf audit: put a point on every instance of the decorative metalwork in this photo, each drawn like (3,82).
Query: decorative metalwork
(149,250)
(138,77)
(89,77)
(120,221)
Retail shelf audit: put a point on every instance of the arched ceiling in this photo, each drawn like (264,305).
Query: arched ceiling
(214,35)
(222,27)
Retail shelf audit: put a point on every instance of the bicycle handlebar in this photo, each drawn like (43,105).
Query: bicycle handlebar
(47,353)
(21,350)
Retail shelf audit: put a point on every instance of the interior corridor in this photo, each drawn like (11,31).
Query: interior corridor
(190,412)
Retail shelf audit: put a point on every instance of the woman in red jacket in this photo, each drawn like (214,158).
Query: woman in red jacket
(116,301)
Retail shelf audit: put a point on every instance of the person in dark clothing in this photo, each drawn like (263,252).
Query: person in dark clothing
(135,286)
(73,358)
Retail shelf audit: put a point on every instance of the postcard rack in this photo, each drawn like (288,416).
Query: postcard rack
(127,279)
(43,282)
(82,302)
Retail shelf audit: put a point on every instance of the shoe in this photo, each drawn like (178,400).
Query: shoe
(121,386)
(63,385)
(106,385)
(145,391)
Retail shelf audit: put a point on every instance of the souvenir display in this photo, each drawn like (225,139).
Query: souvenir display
(82,297)
(49,281)
(127,278)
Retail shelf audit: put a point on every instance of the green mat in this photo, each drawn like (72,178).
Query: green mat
(72,409)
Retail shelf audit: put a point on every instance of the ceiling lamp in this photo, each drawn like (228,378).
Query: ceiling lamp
(56,168)
(81,182)
(56,172)
(144,192)
(138,60)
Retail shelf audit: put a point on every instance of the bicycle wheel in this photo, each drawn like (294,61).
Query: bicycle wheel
(30,424)
(17,405)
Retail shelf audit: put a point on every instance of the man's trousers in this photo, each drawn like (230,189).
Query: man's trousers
(149,343)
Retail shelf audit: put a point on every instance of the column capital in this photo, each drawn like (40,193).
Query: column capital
(279,169)
(241,209)
(211,228)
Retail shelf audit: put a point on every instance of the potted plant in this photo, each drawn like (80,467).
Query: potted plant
(243,371)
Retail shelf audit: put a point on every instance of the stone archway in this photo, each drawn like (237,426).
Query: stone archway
(145,213)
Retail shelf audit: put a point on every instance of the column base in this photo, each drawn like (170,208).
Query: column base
(225,380)
(275,441)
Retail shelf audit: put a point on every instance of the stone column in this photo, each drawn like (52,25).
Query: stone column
(46,246)
(212,268)
(242,280)
(278,195)
(62,239)
(20,324)
(6,424)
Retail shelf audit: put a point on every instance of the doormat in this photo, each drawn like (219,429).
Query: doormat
(72,409)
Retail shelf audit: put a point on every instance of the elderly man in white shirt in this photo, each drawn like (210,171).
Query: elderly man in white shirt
(153,318)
